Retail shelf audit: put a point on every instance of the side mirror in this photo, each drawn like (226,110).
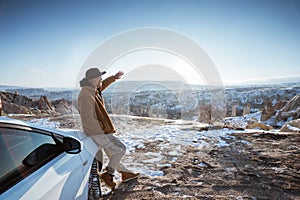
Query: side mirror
(71,145)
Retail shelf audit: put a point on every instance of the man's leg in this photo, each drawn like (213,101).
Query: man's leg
(115,150)
(111,153)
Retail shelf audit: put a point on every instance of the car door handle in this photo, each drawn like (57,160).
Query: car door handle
(85,162)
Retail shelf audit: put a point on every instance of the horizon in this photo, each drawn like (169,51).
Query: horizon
(261,82)
(244,41)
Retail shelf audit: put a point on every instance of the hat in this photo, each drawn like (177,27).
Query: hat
(93,73)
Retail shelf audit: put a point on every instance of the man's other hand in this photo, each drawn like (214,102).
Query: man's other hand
(118,75)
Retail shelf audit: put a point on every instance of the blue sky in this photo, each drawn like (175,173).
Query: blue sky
(44,43)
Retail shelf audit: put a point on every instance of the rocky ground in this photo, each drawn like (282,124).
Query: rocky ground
(181,160)
(266,168)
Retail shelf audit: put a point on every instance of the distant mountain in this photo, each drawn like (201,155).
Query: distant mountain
(5,87)
(138,86)
(51,93)
(277,80)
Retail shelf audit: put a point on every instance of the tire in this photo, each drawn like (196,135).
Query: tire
(94,181)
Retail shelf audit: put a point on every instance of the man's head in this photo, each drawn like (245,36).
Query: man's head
(93,75)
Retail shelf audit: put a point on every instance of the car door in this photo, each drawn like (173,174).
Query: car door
(54,175)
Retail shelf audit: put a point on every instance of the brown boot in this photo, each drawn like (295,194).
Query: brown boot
(108,180)
(127,176)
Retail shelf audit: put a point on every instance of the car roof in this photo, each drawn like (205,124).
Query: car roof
(12,121)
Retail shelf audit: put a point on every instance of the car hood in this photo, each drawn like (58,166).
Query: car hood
(61,131)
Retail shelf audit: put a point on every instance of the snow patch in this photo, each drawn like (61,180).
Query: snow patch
(45,122)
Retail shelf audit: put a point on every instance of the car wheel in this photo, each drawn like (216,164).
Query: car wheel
(94,181)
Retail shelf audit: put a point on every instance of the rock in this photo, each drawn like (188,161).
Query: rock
(18,99)
(17,104)
(44,104)
(290,111)
(63,106)
(269,110)
(246,110)
(291,126)
(243,122)
(13,103)
(205,113)
(254,125)
(11,108)
(233,111)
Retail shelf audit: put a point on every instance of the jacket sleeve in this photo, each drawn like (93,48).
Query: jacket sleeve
(107,82)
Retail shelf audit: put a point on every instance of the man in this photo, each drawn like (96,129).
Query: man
(97,124)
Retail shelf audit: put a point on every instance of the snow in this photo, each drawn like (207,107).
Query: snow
(45,122)
(241,121)
(295,129)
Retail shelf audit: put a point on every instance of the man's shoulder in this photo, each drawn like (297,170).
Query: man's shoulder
(86,91)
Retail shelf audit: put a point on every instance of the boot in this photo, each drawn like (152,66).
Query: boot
(127,176)
(108,180)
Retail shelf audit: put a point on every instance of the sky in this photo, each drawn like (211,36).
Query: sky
(45,43)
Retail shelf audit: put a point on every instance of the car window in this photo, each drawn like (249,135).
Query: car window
(22,152)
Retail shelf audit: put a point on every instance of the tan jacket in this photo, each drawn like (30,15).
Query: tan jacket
(94,117)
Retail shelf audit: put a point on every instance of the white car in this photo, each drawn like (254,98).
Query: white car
(44,163)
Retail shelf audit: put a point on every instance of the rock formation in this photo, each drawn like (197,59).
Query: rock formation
(253,124)
(233,111)
(11,108)
(13,103)
(44,104)
(205,113)
(246,109)
(291,126)
(64,107)
(270,110)
(290,111)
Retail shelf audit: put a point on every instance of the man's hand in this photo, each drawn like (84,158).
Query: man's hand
(118,75)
